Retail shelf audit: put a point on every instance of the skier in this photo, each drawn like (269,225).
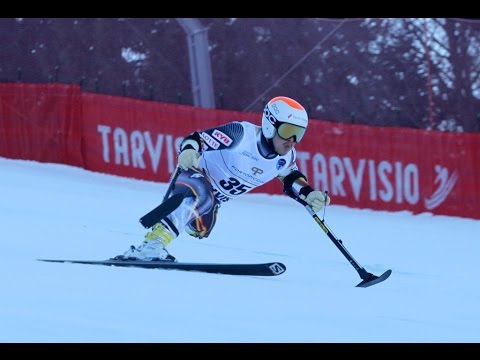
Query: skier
(223,162)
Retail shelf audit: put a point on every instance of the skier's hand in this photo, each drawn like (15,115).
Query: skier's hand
(188,158)
(317,200)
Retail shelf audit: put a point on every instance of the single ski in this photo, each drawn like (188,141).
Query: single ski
(262,269)
(161,211)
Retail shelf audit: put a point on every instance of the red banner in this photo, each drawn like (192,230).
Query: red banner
(394,168)
(140,139)
(365,167)
(41,122)
(379,168)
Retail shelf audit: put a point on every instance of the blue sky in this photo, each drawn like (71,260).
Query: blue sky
(58,211)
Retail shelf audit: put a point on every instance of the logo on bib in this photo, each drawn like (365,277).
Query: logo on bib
(281,163)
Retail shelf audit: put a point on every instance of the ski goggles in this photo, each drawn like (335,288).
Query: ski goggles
(286,131)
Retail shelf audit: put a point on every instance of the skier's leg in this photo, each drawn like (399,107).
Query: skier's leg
(198,200)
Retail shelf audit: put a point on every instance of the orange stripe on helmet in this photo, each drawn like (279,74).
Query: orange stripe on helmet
(289,101)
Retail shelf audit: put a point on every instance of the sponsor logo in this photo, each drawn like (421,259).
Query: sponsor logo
(248,177)
(364,181)
(445,186)
(269,116)
(385,181)
(281,163)
(223,138)
(275,108)
(214,144)
(322,225)
(297,117)
(256,171)
(219,196)
(277,268)
(249,155)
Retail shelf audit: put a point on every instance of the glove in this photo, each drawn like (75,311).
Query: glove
(188,158)
(317,200)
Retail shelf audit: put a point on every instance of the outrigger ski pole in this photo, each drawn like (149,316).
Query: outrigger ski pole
(368,279)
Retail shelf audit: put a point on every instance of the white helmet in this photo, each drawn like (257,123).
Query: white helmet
(280,114)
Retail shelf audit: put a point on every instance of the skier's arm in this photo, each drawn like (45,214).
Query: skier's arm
(217,138)
(190,150)
(296,186)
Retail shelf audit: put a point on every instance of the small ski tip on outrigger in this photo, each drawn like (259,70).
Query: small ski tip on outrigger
(371,279)
(368,279)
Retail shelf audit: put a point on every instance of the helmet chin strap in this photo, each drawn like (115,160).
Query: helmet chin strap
(265,147)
